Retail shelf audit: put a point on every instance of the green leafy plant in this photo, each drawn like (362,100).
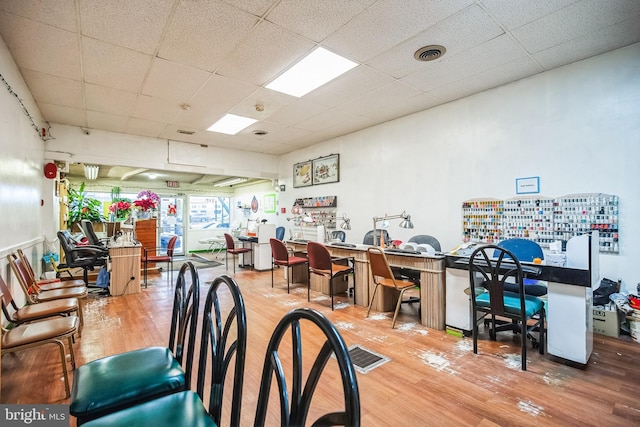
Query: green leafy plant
(83,207)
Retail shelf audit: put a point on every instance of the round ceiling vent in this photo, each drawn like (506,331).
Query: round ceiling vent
(429,53)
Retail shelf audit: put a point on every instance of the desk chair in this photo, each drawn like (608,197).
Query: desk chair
(526,251)
(294,408)
(383,276)
(85,257)
(372,236)
(231,249)
(148,258)
(322,264)
(425,239)
(280,233)
(90,234)
(487,277)
(218,347)
(280,256)
(123,380)
(338,235)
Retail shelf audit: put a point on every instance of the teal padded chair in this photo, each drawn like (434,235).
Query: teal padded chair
(487,277)
(122,380)
(218,347)
(296,398)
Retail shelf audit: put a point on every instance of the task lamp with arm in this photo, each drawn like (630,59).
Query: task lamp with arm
(405,223)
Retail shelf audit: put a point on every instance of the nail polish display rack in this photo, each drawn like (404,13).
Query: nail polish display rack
(320,209)
(543,219)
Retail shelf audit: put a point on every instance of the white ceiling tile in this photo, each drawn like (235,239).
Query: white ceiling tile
(325,120)
(111,122)
(156,109)
(497,51)
(388,23)
(610,38)
(58,13)
(299,110)
(265,53)
(516,13)
(574,21)
(114,66)
(269,100)
(354,83)
(145,127)
(138,26)
(255,7)
(316,19)
(41,47)
(55,90)
(61,114)
(203,33)
(464,30)
(109,100)
(173,81)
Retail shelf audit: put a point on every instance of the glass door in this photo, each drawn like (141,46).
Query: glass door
(171,223)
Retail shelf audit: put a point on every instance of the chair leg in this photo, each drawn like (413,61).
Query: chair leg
(523,344)
(372,298)
(80,316)
(145,273)
(272,274)
(398,304)
(65,372)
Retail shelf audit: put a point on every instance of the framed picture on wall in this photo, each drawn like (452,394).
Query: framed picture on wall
(269,203)
(302,174)
(326,169)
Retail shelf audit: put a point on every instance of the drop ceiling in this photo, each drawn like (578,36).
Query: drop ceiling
(158,68)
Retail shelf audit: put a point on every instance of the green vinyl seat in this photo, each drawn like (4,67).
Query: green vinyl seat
(122,380)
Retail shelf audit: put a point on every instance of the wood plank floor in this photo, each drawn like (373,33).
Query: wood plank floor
(432,378)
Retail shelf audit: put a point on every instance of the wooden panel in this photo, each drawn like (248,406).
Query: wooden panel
(125,270)
(147,235)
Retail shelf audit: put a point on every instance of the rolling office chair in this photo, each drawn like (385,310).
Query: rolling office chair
(90,234)
(372,236)
(85,257)
(526,251)
(489,296)
(338,235)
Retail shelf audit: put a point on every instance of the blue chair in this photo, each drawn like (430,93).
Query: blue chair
(525,251)
(280,233)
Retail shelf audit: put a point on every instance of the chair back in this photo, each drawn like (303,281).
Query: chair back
(494,273)
(425,239)
(338,234)
(184,318)
(228,238)
(280,233)
(525,250)
(372,236)
(218,347)
(295,408)
(23,278)
(171,245)
(319,258)
(7,300)
(279,250)
(26,264)
(378,264)
(90,234)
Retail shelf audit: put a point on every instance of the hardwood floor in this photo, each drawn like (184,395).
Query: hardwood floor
(432,378)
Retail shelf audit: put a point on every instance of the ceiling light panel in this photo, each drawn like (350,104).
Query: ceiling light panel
(316,69)
(231,124)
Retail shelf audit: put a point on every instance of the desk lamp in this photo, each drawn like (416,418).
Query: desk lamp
(346,224)
(405,223)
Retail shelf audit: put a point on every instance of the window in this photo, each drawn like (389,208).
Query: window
(208,213)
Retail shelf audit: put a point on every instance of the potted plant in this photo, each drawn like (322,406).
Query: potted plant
(146,203)
(83,207)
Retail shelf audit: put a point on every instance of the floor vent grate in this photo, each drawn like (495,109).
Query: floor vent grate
(365,360)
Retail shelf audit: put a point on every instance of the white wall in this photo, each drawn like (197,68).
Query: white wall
(577,128)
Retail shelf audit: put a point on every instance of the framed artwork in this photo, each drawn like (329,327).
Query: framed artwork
(326,169)
(302,174)
(269,203)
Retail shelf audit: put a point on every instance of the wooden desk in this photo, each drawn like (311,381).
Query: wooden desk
(125,269)
(432,279)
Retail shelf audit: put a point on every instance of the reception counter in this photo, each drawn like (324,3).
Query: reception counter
(431,268)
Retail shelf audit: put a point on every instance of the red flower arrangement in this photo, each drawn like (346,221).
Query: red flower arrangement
(121,206)
(147,200)
(144,204)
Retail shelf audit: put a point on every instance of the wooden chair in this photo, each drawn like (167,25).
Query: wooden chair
(231,249)
(383,276)
(218,347)
(29,313)
(147,258)
(122,380)
(321,263)
(280,256)
(45,284)
(294,408)
(487,277)
(48,331)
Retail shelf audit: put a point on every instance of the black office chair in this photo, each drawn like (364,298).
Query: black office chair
(487,277)
(338,235)
(294,408)
(86,257)
(526,251)
(425,239)
(372,237)
(90,234)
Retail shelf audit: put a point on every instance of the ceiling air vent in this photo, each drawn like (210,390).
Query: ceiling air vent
(260,132)
(429,53)
(185,132)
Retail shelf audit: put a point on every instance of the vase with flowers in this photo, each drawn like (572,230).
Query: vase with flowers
(146,203)
(120,208)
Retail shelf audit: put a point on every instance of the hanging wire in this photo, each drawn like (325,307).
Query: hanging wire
(24,108)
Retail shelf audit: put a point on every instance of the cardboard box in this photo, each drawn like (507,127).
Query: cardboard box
(607,321)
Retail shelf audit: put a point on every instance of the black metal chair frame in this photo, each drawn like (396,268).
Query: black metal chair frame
(294,408)
(493,273)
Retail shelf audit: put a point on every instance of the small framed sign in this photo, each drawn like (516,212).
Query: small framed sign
(529,185)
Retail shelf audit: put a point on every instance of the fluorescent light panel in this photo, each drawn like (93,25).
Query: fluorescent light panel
(231,124)
(230,181)
(316,69)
